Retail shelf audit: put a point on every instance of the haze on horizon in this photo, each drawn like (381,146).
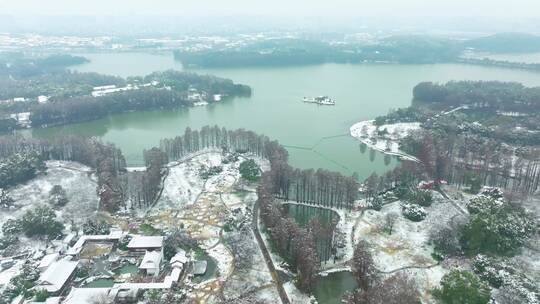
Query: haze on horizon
(516,15)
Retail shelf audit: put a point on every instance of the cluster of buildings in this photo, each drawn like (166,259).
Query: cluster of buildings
(40,99)
(111,89)
(32,41)
(59,269)
(23,118)
(201,98)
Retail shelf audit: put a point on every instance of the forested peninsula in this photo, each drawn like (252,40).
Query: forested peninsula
(42,92)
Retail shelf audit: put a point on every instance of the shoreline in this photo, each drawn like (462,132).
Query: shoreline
(388,146)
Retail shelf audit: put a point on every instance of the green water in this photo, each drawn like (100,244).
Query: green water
(128,268)
(211,269)
(304,214)
(330,289)
(100,283)
(315,136)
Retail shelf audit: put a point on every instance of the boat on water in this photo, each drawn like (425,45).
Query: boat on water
(322,100)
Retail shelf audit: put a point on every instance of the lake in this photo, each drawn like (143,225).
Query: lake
(315,136)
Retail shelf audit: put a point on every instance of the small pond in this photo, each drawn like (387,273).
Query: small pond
(100,283)
(128,268)
(211,269)
(330,289)
(304,214)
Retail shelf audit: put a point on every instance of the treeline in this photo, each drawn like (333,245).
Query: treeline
(71,100)
(275,52)
(506,43)
(87,108)
(143,188)
(320,187)
(501,63)
(106,159)
(182,81)
(487,95)
(474,161)
(297,245)
(285,52)
(19,168)
(220,138)
(58,84)
(19,65)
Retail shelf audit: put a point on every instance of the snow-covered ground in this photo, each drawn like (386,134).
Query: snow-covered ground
(76,179)
(367,133)
(203,208)
(7,274)
(256,279)
(407,247)
(295,295)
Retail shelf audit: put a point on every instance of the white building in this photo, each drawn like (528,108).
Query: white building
(179,259)
(102,88)
(22,118)
(141,244)
(55,277)
(88,295)
(47,260)
(43,99)
(151,262)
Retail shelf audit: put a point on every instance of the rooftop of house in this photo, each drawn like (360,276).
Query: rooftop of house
(47,260)
(56,275)
(151,260)
(179,259)
(141,242)
(86,295)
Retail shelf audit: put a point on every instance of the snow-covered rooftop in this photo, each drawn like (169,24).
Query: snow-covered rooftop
(113,236)
(151,260)
(54,278)
(140,242)
(47,260)
(86,295)
(179,259)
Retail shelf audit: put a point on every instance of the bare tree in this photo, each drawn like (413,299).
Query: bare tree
(389,221)
(364,269)
(397,289)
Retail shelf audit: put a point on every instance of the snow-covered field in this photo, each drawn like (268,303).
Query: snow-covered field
(367,133)
(255,280)
(76,179)
(407,247)
(203,208)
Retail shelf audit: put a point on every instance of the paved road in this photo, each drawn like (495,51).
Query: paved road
(266,254)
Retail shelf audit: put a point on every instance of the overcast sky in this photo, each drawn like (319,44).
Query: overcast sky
(510,9)
(138,16)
